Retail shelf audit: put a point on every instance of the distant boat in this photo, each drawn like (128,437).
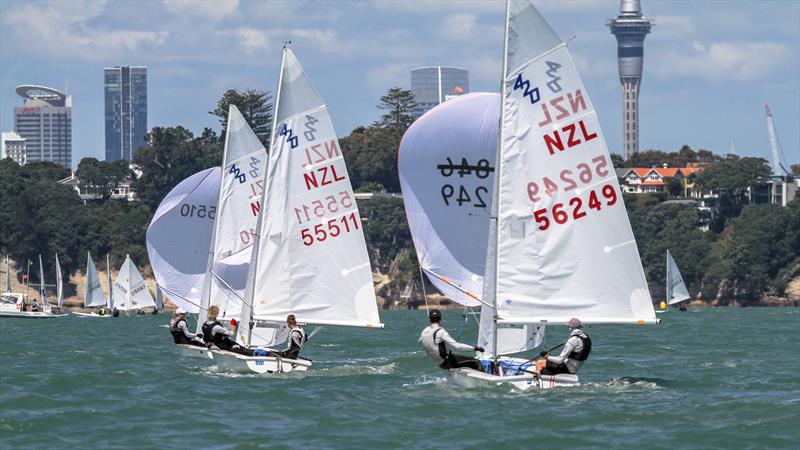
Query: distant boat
(93,292)
(130,293)
(309,256)
(14,304)
(676,291)
(560,243)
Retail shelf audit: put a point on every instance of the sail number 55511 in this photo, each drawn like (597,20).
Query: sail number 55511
(329,229)
(574,209)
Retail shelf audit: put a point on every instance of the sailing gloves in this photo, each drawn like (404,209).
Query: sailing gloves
(479,349)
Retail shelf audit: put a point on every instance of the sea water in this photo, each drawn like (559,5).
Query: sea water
(706,378)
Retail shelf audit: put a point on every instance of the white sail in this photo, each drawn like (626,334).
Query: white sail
(130,291)
(179,236)
(312,259)
(42,291)
(562,246)
(93,295)
(676,289)
(110,284)
(159,299)
(59,284)
(238,205)
(8,276)
(446,164)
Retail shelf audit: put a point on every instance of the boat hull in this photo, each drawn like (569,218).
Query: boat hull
(523,378)
(80,314)
(29,315)
(234,362)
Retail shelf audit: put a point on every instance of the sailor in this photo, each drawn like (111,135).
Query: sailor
(180,330)
(115,312)
(34,306)
(214,334)
(439,345)
(103,311)
(297,338)
(576,350)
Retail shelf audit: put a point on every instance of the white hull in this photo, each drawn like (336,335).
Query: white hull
(29,314)
(471,378)
(81,314)
(234,362)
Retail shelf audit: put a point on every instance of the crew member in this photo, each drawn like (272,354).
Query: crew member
(214,334)
(297,338)
(180,330)
(576,350)
(34,306)
(439,345)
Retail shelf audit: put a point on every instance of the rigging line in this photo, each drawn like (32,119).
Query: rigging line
(450,283)
(171,292)
(424,294)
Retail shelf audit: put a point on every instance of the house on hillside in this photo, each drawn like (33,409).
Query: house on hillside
(642,180)
(123,191)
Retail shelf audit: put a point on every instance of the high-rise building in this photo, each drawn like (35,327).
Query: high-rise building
(126,110)
(45,122)
(12,146)
(630,28)
(433,85)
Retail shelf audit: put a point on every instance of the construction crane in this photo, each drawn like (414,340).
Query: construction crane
(777,166)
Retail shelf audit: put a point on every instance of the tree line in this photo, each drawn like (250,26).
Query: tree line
(748,250)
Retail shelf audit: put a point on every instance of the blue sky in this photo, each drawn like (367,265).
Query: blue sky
(709,65)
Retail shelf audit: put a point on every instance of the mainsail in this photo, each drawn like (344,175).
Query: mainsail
(93,295)
(159,299)
(42,291)
(179,235)
(130,291)
(59,284)
(110,285)
(238,205)
(561,245)
(676,289)
(8,276)
(310,258)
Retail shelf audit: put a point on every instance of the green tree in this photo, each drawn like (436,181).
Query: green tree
(398,104)
(102,176)
(674,187)
(46,171)
(795,170)
(732,177)
(255,106)
(371,155)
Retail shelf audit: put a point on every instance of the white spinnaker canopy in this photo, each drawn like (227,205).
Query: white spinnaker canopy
(178,238)
(130,291)
(59,284)
(242,181)
(564,246)
(312,259)
(676,289)
(446,165)
(93,295)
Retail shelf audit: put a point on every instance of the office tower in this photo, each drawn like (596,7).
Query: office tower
(45,122)
(433,85)
(12,146)
(126,111)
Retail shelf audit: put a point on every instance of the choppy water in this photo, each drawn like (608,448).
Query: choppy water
(716,378)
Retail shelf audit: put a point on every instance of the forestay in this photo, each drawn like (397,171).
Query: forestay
(563,244)
(129,290)
(240,189)
(179,236)
(676,289)
(312,259)
(93,295)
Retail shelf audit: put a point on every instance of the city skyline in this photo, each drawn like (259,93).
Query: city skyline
(710,67)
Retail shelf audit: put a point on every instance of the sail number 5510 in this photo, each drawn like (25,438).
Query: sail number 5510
(573,210)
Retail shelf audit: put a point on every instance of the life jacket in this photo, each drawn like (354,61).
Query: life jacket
(294,349)
(584,353)
(177,334)
(443,353)
(208,338)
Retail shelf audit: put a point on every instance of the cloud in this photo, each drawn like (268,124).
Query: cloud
(458,27)
(63,29)
(210,9)
(739,61)
(249,38)
(391,74)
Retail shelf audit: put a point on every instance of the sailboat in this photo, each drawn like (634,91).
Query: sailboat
(675,288)
(560,243)
(459,139)
(11,304)
(129,291)
(93,291)
(237,206)
(309,256)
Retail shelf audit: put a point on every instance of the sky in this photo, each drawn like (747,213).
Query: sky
(709,65)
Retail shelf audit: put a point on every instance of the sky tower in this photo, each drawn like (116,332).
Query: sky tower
(630,28)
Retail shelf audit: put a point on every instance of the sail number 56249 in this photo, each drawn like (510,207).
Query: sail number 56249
(574,209)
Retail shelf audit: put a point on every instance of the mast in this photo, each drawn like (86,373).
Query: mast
(246,317)
(110,287)
(205,301)
(8,276)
